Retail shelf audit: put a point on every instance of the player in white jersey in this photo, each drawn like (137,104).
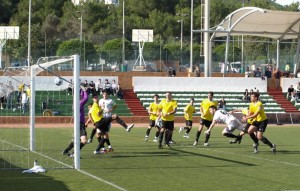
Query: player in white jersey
(221,116)
(108,106)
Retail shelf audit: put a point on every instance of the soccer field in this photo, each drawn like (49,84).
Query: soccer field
(138,165)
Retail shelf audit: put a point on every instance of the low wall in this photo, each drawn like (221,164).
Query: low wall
(287,82)
(238,84)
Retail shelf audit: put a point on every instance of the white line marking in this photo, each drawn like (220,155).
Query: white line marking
(69,166)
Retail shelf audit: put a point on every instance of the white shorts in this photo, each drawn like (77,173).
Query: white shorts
(233,125)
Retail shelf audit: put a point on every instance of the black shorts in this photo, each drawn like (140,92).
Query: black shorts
(103,124)
(168,125)
(189,123)
(261,126)
(205,122)
(245,129)
(82,130)
(152,123)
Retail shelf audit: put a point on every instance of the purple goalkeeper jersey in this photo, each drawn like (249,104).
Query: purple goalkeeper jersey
(84,98)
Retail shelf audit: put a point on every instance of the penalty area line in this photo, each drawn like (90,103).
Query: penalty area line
(69,166)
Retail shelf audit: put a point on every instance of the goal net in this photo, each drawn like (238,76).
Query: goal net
(35,101)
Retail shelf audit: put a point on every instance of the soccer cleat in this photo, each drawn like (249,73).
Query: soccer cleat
(273,149)
(103,151)
(195,143)
(155,140)
(160,147)
(146,138)
(65,153)
(129,127)
(168,146)
(255,148)
(180,129)
(96,152)
(186,136)
(89,141)
(172,142)
(206,144)
(233,141)
(110,149)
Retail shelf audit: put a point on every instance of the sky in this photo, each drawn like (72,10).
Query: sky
(286,2)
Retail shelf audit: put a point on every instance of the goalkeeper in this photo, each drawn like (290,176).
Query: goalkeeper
(83,135)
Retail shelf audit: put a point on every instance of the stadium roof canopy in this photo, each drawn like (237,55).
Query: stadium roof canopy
(255,21)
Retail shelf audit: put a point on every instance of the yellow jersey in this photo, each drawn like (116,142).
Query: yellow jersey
(21,87)
(28,92)
(246,112)
(205,104)
(258,107)
(153,108)
(189,110)
(94,111)
(167,107)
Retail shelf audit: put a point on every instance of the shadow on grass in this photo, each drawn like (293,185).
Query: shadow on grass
(12,179)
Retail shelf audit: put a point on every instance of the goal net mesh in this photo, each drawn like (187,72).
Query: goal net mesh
(53,105)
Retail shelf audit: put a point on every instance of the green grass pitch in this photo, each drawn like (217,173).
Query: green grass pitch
(137,165)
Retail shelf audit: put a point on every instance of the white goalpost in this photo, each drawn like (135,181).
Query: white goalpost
(40,78)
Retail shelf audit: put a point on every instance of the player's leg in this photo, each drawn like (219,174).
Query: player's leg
(121,122)
(156,134)
(207,136)
(198,133)
(92,135)
(151,124)
(161,134)
(261,126)
(169,132)
(188,127)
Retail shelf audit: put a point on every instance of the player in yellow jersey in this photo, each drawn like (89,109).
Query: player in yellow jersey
(167,109)
(153,112)
(260,120)
(206,117)
(189,110)
(102,124)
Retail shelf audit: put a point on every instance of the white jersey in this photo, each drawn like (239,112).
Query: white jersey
(107,105)
(231,121)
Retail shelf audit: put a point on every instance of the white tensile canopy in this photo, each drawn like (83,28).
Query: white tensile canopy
(253,21)
(261,22)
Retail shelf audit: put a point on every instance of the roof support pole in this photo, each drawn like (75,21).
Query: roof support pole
(226,54)
(207,50)
(278,54)
(296,65)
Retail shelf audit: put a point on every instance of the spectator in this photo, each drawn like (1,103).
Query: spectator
(171,72)
(99,87)
(70,87)
(92,87)
(253,67)
(119,92)
(24,101)
(298,73)
(2,100)
(287,71)
(268,75)
(86,84)
(10,96)
(248,72)
(257,73)
(277,75)
(290,92)
(107,87)
(246,96)
(114,87)
(197,72)
(222,104)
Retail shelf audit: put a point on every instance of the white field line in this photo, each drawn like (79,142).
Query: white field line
(69,166)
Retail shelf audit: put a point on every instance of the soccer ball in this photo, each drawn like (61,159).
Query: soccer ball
(58,81)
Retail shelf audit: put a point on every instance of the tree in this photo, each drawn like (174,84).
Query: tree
(74,46)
